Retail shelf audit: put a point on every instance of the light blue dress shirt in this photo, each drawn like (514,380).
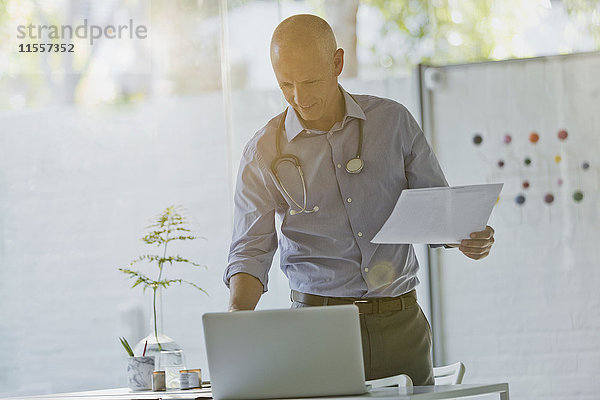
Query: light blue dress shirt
(329,252)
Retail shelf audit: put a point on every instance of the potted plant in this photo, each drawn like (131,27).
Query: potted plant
(168,226)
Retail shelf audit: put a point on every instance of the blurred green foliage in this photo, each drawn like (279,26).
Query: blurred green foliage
(452,31)
(185,56)
(588,14)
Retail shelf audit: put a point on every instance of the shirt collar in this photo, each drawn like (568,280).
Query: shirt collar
(293,126)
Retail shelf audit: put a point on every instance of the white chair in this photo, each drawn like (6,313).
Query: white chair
(401,380)
(449,374)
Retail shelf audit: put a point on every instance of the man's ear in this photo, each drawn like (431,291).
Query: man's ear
(338,61)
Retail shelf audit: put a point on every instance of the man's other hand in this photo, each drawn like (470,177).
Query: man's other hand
(479,244)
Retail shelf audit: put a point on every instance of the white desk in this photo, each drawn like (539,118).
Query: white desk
(415,393)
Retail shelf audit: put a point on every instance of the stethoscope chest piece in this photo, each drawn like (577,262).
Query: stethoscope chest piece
(355,165)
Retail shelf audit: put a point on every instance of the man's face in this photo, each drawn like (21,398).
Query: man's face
(309,82)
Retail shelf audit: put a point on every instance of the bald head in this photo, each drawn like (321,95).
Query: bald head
(301,34)
(307,63)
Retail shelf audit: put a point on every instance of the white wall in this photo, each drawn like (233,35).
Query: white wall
(78,186)
(529,313)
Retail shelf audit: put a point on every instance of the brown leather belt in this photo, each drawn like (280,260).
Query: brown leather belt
(365,306)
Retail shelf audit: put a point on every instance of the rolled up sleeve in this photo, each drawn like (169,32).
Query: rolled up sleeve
(254,238)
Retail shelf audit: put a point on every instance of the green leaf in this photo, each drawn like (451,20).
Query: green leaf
(139,278)
(126,346)
(196,286)
(146,257)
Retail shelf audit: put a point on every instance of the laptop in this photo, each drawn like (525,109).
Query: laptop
(303,352)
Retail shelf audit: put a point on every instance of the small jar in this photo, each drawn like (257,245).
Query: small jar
(194,379)
(158,381)
(184,379)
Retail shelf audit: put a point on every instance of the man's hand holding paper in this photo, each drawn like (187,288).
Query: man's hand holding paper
(478,245)
(453,215)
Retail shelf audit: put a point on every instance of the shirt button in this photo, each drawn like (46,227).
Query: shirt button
(349,199)
(339,165)
(366,269)
(360,234)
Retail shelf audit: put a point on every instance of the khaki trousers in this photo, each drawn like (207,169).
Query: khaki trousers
(397,342)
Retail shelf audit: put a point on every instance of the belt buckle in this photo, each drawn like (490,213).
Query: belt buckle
(358,302)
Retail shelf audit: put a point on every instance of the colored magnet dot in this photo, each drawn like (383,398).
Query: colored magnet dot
(562,134)
(527,161)
(585,165)
(520,199)
(559,181)
(507,138)
(549,198)
(557,158)
(500,163)
(525,184)
(534,137)
(477,139)
(578,196)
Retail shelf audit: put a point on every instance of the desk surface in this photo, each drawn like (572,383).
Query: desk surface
(413,393)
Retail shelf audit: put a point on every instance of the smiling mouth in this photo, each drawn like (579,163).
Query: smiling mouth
(306,107)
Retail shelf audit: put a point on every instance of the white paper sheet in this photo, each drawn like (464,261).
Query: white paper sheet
(439,215)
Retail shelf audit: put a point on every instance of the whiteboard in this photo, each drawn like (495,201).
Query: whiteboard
(529,312)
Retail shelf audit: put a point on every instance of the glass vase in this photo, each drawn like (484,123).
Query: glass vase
(168,355)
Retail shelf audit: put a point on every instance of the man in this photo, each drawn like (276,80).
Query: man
(331,169)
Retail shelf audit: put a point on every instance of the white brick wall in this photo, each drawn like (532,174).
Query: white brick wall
(77,188)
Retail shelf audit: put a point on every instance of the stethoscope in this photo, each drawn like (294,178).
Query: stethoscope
(353,166)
